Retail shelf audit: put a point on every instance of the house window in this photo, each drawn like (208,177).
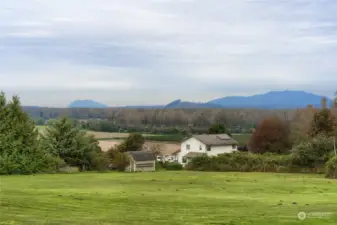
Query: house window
(188,147)
(208,148)
(200,148)
(184,160)
(233,146)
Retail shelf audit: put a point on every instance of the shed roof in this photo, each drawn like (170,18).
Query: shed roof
(139,156)
(216,139)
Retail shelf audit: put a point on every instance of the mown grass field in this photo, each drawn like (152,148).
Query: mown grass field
(168,198)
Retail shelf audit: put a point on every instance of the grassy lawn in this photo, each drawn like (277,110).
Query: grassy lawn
(167,198)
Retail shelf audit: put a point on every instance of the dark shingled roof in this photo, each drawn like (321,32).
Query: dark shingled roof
(142,156)
(216,139)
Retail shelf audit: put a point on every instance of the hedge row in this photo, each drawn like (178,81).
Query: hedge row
(248,162)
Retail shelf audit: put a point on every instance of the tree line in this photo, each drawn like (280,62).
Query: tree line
(160,120)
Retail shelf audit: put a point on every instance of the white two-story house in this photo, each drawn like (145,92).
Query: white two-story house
(209,144)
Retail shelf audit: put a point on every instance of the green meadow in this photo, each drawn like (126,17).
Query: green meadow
(168,198)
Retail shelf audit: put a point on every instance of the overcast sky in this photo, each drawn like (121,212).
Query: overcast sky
(131,52)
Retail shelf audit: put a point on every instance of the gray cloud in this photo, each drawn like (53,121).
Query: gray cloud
(150,52)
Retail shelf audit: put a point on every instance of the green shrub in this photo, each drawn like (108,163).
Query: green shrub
(173,166)
(331,168)
(159,166)
(242,162)
(54,164)
(100,162)
(69,169)
(314,153)
(118,160)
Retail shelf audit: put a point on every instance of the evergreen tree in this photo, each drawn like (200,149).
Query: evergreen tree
(63,140)
(19,152)
(218,129)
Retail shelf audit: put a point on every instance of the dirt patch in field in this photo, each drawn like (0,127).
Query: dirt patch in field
(106,145)
(107,135)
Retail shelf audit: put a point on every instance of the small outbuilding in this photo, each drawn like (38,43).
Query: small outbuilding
(141,161)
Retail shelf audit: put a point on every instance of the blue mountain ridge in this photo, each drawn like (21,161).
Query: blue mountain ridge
(273,100)
(270,100)
(86,104)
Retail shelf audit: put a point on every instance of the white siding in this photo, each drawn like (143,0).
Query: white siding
(194,146)
(216,150)
(146,166)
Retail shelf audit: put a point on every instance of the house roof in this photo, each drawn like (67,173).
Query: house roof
(216,139)
(165,149)
(176,151)
(193,154)
(139,156)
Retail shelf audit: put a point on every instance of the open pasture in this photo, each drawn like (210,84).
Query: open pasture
(168,198)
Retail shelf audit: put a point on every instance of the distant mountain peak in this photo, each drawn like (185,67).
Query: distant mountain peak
(184,104)
(86,103)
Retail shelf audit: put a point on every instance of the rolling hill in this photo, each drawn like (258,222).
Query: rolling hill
(269,100)
(86,104)
(272,100)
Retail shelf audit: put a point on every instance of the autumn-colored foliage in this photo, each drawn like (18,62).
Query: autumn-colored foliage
(271,135)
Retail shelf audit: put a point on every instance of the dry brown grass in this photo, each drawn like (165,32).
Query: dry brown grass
(106,145)
(107,135)
(165,148)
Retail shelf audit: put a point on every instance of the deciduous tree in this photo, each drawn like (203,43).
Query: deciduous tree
(134,142)
(323,123)
(271,135)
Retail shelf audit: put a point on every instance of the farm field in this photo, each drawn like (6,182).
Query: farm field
(168,198)
(243,139)
(115,135)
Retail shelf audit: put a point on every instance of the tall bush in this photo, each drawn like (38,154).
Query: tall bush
(313,153)
(331,168)
(118,160)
